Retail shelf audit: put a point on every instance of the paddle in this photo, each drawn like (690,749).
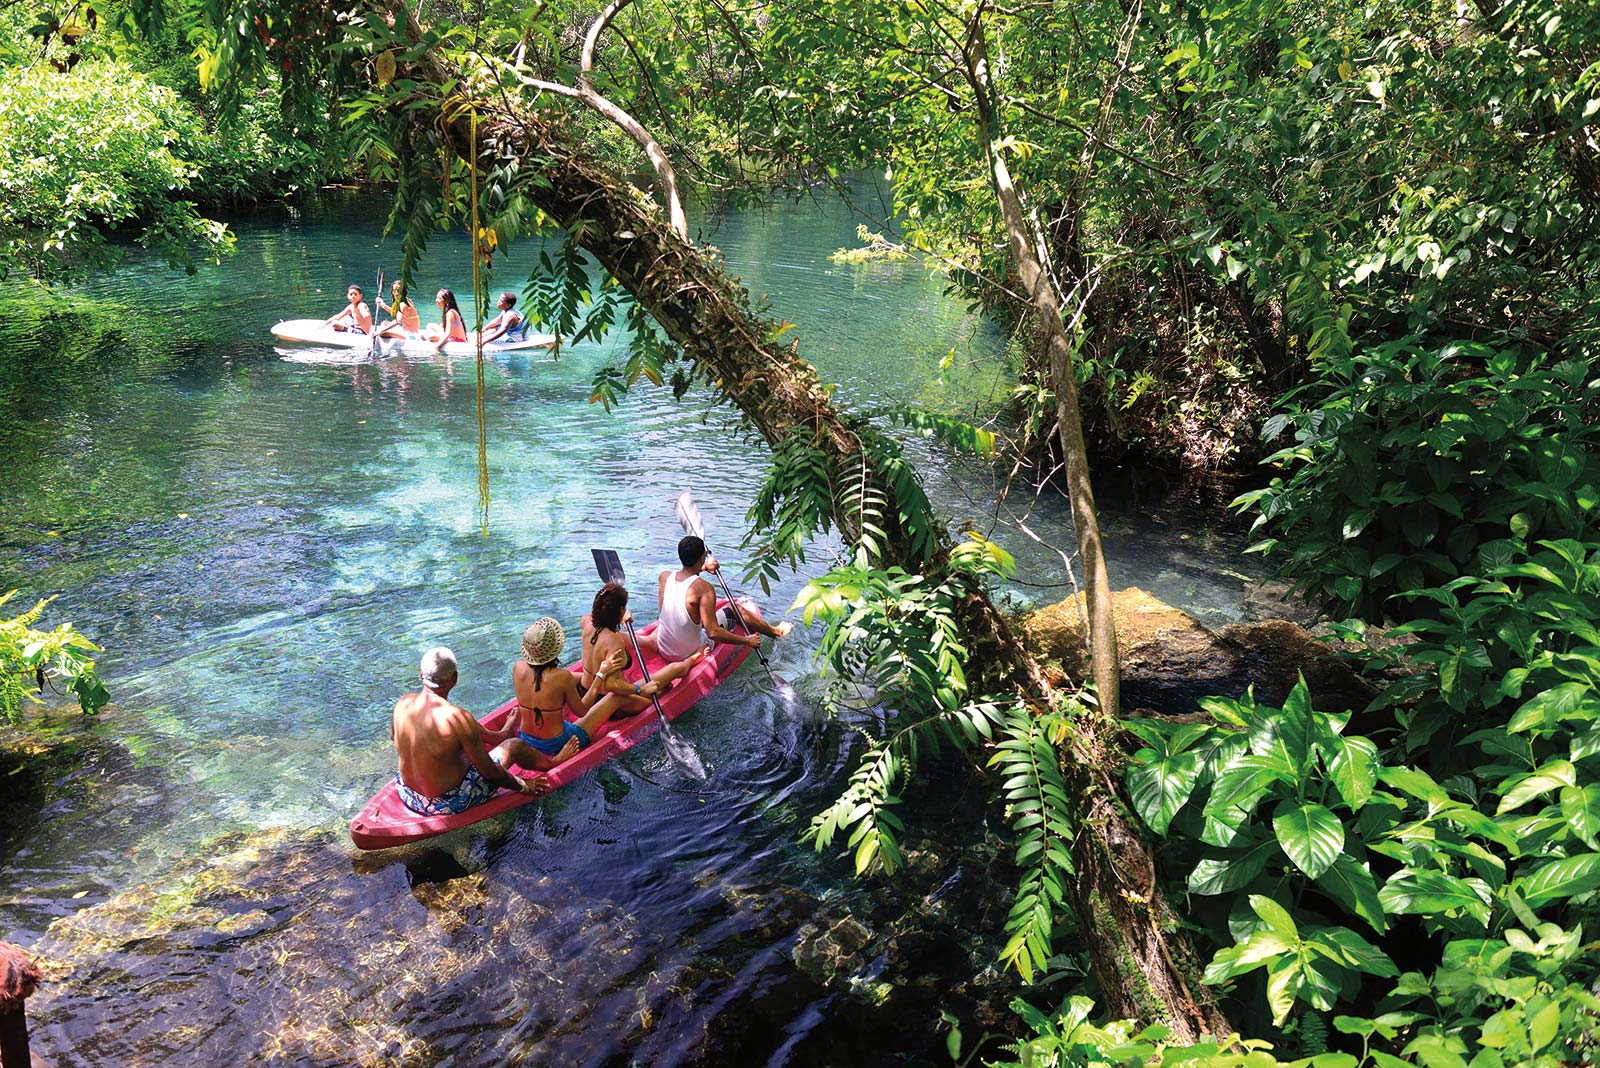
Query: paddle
(377,298)
(690,520)
(681,752)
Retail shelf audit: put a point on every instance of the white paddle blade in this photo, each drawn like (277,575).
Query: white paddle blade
(683,754)
(689,516)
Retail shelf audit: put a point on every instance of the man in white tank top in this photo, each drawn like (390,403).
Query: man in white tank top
(689,608)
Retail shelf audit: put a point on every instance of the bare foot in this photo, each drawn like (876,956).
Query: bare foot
(698,655)
(784,628)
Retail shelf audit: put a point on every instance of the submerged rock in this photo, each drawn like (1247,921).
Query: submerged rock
(1170,660)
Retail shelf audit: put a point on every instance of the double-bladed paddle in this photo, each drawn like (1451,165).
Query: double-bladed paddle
(690,520)
(377,298)
(681,752)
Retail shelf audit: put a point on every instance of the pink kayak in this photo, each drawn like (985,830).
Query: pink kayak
(386,821)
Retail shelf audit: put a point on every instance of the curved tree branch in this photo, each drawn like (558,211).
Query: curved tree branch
(598,102)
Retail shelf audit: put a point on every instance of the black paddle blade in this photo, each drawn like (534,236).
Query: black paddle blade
(609,566)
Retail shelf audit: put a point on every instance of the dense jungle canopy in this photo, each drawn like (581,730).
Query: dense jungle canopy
(1356,241)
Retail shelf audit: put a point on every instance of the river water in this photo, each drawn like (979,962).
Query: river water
(264,543)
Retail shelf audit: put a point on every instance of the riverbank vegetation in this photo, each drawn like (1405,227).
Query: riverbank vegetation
(33,660)
(1378,220)
(112,137)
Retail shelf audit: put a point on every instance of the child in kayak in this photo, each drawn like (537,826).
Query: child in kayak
(404,322)
(509,325)
(453,328)
(355,318)
(545,690)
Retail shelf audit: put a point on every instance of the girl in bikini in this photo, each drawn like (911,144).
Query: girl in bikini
(603,640)
(545,691)
(406,322)
(453,328)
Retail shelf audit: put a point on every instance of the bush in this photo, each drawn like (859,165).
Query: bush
(92,152)
(1413,462)
(30,659)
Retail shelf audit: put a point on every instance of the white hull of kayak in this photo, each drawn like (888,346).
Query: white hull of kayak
(312,332)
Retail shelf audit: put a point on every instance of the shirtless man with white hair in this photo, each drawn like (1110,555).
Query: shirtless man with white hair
(445,765)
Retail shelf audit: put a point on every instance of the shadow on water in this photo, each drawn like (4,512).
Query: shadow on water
(601,928)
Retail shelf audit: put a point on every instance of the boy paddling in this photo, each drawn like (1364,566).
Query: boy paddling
(689,608)
(356,318)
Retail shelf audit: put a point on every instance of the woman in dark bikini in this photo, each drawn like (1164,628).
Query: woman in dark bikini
(545,691)
(603,640)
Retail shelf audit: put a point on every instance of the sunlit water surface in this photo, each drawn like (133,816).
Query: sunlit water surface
(264,545)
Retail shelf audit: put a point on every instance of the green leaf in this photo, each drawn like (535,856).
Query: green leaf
(1551,776)
(1275,916)
(1560,879)
(1413,890)
(1162,787)
(1311,835)
(1235,869)
(1350,883)
(1284,979)
(1239,789)
(1253,951)
(1550,706)
(1581,808)
(1543,1027)
(1354,770)
(1417,783)
(1296,728)
(1353,951)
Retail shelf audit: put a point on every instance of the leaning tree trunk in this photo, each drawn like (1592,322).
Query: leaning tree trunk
(1142,969)
(1046,308)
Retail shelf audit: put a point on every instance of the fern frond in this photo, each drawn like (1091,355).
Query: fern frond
(1042,818)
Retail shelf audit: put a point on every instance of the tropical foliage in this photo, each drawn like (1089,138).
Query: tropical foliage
(32,659)
(1390,207)
(86,152)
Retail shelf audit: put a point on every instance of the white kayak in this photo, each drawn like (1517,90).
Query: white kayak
(312,332)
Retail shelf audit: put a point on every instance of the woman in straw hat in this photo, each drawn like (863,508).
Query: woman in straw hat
(545,690)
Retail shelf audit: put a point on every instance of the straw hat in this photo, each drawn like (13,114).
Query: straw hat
(542,642)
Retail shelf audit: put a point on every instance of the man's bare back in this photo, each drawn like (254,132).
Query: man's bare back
(428,737)
(437,742)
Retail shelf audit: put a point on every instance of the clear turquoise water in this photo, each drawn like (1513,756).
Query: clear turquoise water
(265,544)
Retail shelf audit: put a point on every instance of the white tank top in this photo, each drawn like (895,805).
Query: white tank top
(677,636)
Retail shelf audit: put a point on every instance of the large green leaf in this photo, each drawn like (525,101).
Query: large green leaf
(1239,789)
(1417,891)
(1551,706)
(1161,787)
(1354,768)
(1311,835)
(1235,869)
(1582,811)
(1349,882)
(1253,951)
(1561,879)
(1415,782)
(1275,916)
(1297,728)
(1285,976)
(1550,776)
(1351,950)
